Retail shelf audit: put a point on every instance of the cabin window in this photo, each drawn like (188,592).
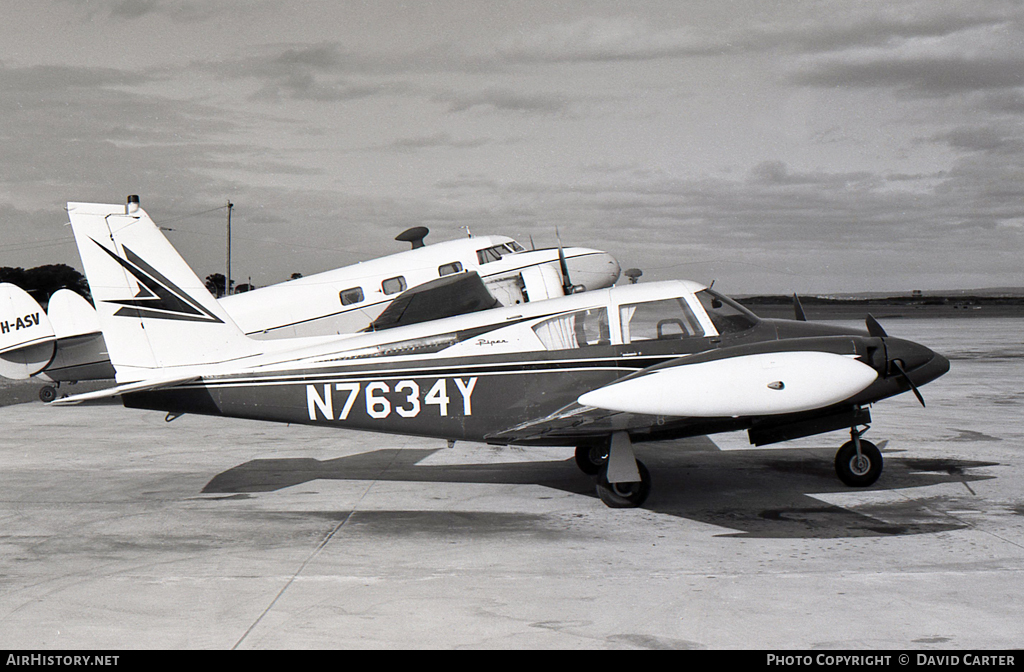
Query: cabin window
(350,296)
(658,320)
(394,285)
(449,269)
(516,247)
(727,315)
(489,254)
(574,330)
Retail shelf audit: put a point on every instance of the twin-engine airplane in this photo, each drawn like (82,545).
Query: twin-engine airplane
(598,370)
(63,343)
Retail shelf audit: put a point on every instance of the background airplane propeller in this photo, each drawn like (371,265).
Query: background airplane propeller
(567,285)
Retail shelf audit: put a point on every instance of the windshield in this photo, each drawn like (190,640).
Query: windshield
(727,315)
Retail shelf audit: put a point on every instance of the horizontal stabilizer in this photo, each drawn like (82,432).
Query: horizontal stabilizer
(71,315)
(27,341)
(758,384)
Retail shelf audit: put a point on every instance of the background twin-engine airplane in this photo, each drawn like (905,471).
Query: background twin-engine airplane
(64,343)
(596,371)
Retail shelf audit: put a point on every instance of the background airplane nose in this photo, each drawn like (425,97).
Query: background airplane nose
(591,268)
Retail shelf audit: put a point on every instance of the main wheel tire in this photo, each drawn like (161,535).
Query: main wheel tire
(47,394)
(624,495)
(591,457)
(859,472)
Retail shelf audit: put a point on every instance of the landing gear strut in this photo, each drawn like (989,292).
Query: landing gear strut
(622,480)
(858,462)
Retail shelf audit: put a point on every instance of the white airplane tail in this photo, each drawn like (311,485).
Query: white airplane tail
(26,335)
(155,313)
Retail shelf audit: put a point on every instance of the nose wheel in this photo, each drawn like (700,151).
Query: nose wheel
(858,462)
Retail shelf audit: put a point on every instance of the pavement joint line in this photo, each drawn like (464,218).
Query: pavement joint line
(314,553)
(965,523)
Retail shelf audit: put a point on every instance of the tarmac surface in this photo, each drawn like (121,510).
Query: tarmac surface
(119,530)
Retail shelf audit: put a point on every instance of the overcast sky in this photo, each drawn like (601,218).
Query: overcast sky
(771,146)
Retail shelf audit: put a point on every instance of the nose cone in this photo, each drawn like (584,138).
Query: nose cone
(591,268)
(921,364)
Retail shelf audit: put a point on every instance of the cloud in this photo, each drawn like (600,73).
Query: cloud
(504,100)
(921,76)
(602,39)
(436,141)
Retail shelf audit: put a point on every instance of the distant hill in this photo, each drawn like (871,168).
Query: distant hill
(988,292)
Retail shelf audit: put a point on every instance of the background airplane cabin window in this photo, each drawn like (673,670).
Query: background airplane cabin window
(516,247)
(726,314)
(394,285)
(449,269)
(574,330)
(658,320)
(350,296)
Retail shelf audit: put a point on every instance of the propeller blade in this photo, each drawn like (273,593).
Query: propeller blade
(798,309)
(903,373)
(874,328)
(563,266)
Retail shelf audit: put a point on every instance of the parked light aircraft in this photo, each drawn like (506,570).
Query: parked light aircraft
(64,343)
(598,370)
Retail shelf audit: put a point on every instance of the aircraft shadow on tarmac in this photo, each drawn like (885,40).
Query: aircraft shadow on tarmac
(757,493)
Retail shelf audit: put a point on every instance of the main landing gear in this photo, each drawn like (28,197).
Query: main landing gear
(622,480)
(47,393)
(858,462)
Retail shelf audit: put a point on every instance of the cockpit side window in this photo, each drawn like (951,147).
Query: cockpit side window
(658,320)
(516,247)
(574,330)
(727,315)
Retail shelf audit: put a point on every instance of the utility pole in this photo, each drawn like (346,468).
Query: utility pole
(227,278)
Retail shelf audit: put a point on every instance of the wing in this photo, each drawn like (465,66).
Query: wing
(569,424)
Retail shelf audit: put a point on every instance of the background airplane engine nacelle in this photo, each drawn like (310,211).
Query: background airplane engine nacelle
(27,341)
(749,385)
(542,282)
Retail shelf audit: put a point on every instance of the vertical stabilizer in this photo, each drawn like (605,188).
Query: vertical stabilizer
(154,311)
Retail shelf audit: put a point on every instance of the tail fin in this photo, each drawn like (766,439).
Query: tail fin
(154,311)
(27,340)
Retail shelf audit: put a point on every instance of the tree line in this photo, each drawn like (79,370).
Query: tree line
(42,281)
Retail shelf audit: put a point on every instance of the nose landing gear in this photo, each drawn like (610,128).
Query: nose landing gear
(858,462)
